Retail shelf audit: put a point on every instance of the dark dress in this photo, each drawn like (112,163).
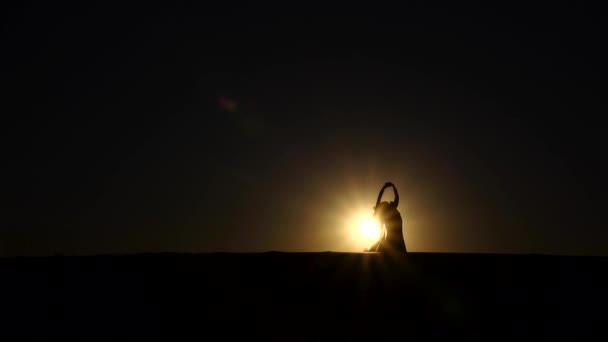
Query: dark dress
(394,242)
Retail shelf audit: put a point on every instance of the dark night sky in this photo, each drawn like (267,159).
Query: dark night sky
(488,120)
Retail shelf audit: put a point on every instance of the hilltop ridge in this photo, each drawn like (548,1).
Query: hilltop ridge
(305,295)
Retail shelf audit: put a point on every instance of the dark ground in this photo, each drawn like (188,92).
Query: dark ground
(305,295)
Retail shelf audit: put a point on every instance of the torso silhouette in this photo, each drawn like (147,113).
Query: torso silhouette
(394,242)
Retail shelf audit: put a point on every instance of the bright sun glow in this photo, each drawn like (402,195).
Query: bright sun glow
(359,229)
(362,230)
(369,228)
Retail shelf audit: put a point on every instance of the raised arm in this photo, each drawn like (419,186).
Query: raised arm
(380,196)
(396,195)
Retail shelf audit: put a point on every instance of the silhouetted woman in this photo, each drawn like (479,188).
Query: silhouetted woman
(391,241)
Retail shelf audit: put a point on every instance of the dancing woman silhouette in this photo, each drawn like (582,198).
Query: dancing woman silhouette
(391,241)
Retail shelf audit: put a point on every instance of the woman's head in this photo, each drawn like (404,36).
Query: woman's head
(381,209)
(384,210)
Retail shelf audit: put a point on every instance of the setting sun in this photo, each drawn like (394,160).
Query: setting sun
(361,230)
(369,228)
